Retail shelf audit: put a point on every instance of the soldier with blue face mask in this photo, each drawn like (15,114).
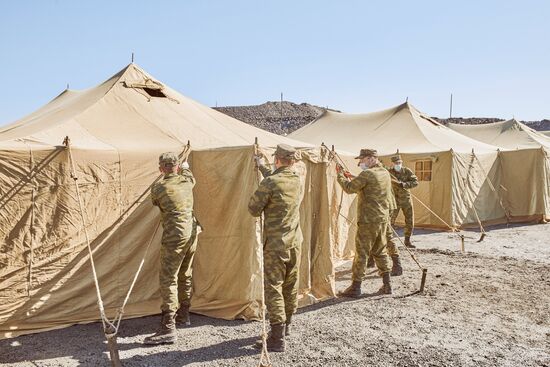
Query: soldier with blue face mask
(403,179)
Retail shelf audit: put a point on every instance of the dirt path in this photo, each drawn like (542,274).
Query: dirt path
(488,307)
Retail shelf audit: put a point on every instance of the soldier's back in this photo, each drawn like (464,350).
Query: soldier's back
(282,214)
(174,197)
(376,199)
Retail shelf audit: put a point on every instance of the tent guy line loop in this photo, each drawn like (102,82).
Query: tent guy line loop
(265,360)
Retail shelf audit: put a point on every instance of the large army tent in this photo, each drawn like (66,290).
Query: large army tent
(510,134)
(115,132)
(458,175)
(524,165)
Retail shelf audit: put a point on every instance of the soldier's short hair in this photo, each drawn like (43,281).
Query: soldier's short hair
(168,159)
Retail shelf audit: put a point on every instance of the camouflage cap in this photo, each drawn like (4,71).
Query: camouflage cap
(396,158)
(367,153)
(286,152)
(168,158)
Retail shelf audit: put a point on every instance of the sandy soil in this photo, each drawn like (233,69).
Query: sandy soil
(486,307)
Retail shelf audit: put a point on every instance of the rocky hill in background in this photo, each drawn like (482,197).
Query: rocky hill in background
(284,118)
(275,117)
(467,120)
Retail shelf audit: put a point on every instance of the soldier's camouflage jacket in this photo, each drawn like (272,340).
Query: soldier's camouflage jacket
(278,196)
(409,179)
(174,197)
(375,200)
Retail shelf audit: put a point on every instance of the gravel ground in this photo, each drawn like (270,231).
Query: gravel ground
(486,307)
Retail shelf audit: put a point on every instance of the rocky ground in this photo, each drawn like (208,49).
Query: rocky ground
(488,306)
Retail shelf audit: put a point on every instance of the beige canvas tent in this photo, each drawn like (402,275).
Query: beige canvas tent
(458,175)
(524,165)
(115,132)
(510,134)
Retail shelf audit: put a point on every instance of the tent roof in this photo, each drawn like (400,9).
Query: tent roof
(402,128)
(510,134)
(121,114)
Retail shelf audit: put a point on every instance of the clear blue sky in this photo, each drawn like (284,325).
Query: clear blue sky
(357,56)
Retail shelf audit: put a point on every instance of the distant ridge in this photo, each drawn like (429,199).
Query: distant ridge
(287,117)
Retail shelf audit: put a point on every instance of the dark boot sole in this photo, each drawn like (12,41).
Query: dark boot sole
(160,342)
(345,295)
(259,345)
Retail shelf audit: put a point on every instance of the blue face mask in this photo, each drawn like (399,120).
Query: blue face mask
(363,166)
(397,167)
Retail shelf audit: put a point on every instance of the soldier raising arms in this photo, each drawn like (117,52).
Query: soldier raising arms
(174,197)
(278,197)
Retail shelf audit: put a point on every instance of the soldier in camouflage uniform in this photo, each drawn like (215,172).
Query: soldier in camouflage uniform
(278,197)
(403,179)
(375,202)
(174,197)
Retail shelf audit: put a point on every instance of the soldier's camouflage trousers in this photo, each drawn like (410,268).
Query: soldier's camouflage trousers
(176,266)
(370,239)
(281,283)
(390,244)
(408,213)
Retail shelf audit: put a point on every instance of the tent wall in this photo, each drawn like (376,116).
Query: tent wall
(226,273)
(525,179)
(472,196)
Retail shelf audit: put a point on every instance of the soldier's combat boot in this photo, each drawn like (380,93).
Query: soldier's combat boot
(287,326)
(182,316)
(408,242)
(370,262)
(396,269)
(386,286)
(167,331)
(275,340)
(353,291)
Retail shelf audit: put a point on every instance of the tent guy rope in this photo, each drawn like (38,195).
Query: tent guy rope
(265,360)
